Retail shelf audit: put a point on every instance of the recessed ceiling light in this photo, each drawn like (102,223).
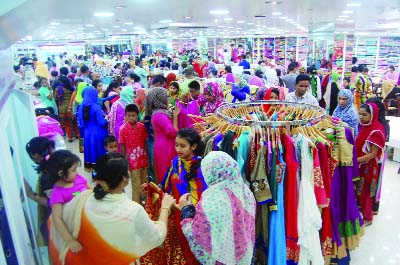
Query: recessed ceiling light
(105,29)
(240,21)
(221,26)
(123,29)
(276,13)
(52,27)
(347,12)
(55,23)
(89,25)
(119,7)
(116,26)
(354,4)
(345,32)
(250,23)
(350,21)
(228,19)
(188,17)
(103,14)
(283,17)
(80,28)
(166,21)
(340,19)
(128,23)
(219,12)
(345,16)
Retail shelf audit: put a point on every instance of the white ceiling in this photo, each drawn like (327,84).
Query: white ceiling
(72,18)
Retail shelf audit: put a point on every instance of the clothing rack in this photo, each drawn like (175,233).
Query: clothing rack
(309,114)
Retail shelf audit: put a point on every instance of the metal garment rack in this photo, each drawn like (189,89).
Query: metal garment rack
(296,123)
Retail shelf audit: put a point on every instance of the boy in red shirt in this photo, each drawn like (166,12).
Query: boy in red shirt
(132,139)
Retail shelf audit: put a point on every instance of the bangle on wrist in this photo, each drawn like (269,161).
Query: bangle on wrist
(169,210)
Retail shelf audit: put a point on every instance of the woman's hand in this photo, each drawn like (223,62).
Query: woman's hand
(184,200)
(74,246)
(167,201)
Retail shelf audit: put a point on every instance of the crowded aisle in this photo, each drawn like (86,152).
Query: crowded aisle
(255,134)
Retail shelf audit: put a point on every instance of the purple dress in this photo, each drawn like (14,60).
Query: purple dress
(346,218)
(184,121)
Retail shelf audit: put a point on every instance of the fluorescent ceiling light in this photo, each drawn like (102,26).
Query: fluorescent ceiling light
(52,27)
(116,26)
(240,21)
(128,23)
(250,23)
(103,14)
(228,19)
(166,21)
(123,29)
(119,7)
(276,13)
(344,16)
(340,19)
(219,12)
(105,29)
(89,25)
(188,17)
(55,23)
(350,21)
(347,12)
(80,28)
(354,4)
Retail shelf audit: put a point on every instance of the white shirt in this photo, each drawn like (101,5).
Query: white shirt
(306,98)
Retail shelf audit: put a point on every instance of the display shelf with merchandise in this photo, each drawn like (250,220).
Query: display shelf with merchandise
(258,49)
(269,48)
(280,51)
(291,48)
(302,49)
(389,49)
(338,55)
(367,51)
(349,53)
(211,47)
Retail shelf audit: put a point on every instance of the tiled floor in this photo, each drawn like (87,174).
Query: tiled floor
(381,242)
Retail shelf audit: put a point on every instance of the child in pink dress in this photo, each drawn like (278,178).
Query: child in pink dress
(61,169)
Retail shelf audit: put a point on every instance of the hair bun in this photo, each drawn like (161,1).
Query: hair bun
(99,192)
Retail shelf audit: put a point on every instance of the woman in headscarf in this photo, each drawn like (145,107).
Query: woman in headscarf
(117,112)
(171,77)
(370,144)
(345,109)
(271,94)
(213,97)
(222,232)
(165,126)
(94,126)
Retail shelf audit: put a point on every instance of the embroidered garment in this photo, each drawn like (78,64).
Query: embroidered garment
(134,138)
(347,113)
(223,232)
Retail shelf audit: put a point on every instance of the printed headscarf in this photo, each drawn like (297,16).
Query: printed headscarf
(222,232)
(348,113)
(157,99)
(213,89)
(170,77)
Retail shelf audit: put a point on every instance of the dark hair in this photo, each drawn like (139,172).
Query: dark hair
(278,72)
(175,84)
(54,73)
(96,82)
(365,69)
(381,115)
(61,160)
(112,169)
(41,80)
(228,69)
(158,79)
(16,67)
(347,79)
(110,139)
(132,108)
(360,68)
(84,69)
(138,61)
(391,67)
(134,76)
(36,84)
(275,91)
(113,85)
(302,77)
(184,64)
(193,138)
(77,81)
(117,65)
(353,60)
(189,71)
(292,66)
(354,69)
(64,71)
(42,146)
(194,85)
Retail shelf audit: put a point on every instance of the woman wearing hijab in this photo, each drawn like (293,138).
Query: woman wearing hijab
(94,126)
(345,109)
(165,126)
(212,241)
(170,78)
(213,97)
(370,144)
(117,112)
